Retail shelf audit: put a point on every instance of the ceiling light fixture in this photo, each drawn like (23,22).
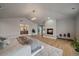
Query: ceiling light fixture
(33,18)
(33,11)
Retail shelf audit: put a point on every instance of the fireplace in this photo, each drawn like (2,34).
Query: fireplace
(50,31)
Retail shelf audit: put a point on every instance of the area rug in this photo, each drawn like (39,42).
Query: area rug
(49,50)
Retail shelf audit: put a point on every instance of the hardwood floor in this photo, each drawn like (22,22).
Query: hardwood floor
(68,50)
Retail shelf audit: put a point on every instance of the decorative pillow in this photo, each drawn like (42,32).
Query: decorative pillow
(22,40)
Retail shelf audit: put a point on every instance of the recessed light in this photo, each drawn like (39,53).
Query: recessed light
(73,8)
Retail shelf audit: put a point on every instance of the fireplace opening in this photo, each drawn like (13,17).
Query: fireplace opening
(50,31)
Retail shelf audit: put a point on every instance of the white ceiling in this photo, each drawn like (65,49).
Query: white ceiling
(42,10)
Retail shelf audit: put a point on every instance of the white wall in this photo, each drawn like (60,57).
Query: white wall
(66,26)
(77,27)
(11,26)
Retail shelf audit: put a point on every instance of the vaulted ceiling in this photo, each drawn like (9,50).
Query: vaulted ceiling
(42,10)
